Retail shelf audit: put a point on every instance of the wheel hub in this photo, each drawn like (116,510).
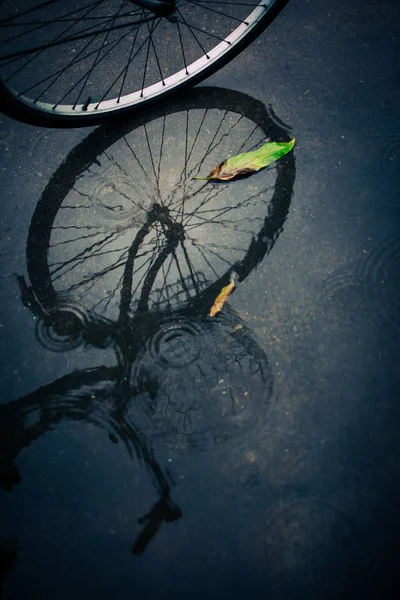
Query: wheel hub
(161,8)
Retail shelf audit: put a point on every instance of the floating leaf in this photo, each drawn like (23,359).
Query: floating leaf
(223,296)
(249,162)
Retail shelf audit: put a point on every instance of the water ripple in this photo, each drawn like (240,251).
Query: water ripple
(176,344)
(379,271)
(63,327)
(390,166)
(370,291)
(112,193)
(341,291)
(201,384)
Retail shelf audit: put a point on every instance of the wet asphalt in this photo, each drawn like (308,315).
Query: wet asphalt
(255,456)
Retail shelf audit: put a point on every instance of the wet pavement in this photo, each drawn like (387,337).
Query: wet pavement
(150,451)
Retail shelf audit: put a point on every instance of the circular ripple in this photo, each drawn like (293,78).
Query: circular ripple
(337,282)
(397,60)
(342,293)
(112,193)
(390,158)
(62,328)
(206,384)
(381,284)
(385,151)
(371,292)
(390,165)
(176,344)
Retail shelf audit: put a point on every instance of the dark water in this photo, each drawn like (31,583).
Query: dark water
(150,451)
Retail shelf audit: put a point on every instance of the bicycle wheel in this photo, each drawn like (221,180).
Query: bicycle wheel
(81,62)
(122,226)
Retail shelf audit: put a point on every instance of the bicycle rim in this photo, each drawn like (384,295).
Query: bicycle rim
(94,58)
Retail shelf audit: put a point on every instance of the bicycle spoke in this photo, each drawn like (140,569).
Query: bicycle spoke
(182,279)
(90,281)
(193,28)
(75,61)
(103,18)
(150,262)
(130,59)
(206,246)
(218,12)
(77,239)
(164,288)
(190,267)
(126,290)
(125,195)
(91,7)
(155,54)
(147,60)
(184,174)
(40,52)
(208,198)
(211,267)
(182,49)
(184,22)
(143,304)
(254,146)
(143,170)
(196,169)
(155,24)
(62,72)
(75,38)
(220,212)
(181,208)
(96,59)
(81,256)
(152,163)
(213,146)
(161,149)
(220,257)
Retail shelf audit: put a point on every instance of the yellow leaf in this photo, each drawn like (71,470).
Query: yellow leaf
(223,296)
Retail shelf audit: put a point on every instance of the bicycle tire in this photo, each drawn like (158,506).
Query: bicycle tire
(17,104)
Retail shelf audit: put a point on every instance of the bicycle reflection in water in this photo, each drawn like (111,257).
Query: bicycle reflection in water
(126,250)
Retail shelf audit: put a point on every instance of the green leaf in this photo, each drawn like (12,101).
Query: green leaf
(249,162)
